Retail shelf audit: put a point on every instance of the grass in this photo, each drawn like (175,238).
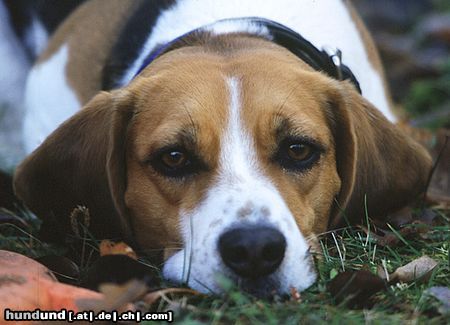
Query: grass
(348,249)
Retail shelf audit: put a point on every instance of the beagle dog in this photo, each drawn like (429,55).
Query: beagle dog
(224,134)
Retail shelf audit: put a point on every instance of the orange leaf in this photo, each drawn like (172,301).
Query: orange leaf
(28,285)
(108,247)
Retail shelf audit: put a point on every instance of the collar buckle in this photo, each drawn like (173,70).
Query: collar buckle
(335,56)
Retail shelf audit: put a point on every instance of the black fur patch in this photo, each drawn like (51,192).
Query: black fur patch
(131,41)
(49,12)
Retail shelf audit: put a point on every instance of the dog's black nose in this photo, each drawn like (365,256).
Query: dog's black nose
(252,252)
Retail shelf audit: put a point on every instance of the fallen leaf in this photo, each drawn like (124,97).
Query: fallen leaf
(14,263)
(28,285)
(354,288)
(443,295)
(421,268)
(108,247)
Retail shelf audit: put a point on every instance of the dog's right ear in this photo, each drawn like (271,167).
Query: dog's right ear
(82,163)
(381,168)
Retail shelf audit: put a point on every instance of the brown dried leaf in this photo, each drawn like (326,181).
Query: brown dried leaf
(355,287)
(108,247)
(421,268)
(28,285)
(17,264)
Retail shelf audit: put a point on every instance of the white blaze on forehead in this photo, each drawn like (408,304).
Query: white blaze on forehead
(237,155)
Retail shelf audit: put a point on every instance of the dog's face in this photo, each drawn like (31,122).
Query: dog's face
(229,165)
(235,165)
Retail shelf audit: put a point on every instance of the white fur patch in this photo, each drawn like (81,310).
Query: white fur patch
(36,37)
(240,186)
(226,27)
(14,67)
(49,100)
(323,23)
(13,63)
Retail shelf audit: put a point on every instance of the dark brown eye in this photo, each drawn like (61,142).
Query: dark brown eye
(298,154)
(299,151)
(174,159)
(176,162)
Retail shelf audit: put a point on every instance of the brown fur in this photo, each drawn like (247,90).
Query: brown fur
(87,55)
(99,158)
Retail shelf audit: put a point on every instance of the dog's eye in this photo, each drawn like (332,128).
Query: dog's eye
(299,151)
(297,154)
(174,159)
(175,162)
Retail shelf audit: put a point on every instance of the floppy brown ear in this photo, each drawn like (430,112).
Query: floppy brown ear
(376,161)
(81,163)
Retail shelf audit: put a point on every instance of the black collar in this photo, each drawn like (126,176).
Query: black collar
(326,60)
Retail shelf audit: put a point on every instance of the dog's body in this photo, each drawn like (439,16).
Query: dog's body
(218,145)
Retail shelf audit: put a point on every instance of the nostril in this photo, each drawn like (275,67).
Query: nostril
(236,254)
(273,252)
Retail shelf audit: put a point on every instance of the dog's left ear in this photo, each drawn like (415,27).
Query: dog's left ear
(381,168)
(81,163)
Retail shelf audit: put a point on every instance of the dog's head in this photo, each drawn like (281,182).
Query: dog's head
(228,162)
